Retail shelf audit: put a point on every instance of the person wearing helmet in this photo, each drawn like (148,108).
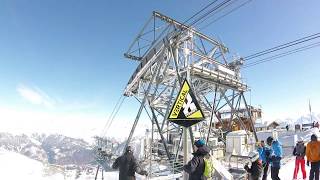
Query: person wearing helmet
(299,151)
(195,167)
(313,156)
(265,156)
(128,165)
(274,157)
(263,150)
(256,166)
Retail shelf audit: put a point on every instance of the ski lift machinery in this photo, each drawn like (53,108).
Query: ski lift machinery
(169,52)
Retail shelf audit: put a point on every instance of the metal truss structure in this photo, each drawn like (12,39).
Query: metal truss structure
(169,52)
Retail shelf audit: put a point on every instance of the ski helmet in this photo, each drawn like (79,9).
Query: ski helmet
(269,140)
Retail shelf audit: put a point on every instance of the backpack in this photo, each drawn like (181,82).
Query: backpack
(208,166)
(300,149)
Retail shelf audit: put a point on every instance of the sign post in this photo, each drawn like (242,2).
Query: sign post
(185,150)
(186,112)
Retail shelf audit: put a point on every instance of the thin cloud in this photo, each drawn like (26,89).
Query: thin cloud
(75,124)
(35,96)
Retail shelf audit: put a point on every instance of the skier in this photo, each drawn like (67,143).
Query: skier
(299,151)
(274,157)
(195,167)
(256,166)
(313,156)
(264,152)
(128,165)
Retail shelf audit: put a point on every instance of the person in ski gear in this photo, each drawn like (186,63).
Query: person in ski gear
(260,150)
(313,156)
(274,157)
(264,152)
(299,151)
(128,165)
(195,167)
(256,166)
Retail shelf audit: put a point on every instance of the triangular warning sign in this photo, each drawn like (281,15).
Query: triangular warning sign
(186,110)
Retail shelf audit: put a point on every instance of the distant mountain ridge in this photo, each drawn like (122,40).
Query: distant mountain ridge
(53,149)
(304,119)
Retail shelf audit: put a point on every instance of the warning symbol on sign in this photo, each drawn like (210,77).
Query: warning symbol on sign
(186,110)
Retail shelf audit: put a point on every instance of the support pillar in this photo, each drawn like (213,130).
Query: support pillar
(185,151)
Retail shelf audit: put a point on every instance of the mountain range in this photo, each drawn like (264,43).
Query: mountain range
(52,149)
(300,120)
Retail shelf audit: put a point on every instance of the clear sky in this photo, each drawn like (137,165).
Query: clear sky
(62,64)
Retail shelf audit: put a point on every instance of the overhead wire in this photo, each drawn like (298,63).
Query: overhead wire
(193,23)
(108,120)
(220,7)
(283,46)
(198,12)
(277,56)
(112,115)
(223,15)
(223,7)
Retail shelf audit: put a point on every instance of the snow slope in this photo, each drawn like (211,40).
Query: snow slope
(288,163)
(15,166)
(286,171)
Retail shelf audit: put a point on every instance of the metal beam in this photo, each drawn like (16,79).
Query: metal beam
(142,105)
(168,107)
(211,116)
(232,109)
(185,27)
(161,135)
(250,118)
(97,172)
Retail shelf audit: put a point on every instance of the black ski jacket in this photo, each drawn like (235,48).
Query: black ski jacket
(195,167)
(127,165)
(255,170)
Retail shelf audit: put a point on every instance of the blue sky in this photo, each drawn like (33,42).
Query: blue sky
(66,57)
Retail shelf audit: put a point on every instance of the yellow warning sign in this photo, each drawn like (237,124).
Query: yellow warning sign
(186,110)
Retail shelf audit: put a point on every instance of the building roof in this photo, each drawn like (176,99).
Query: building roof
(260,125)
(237,133)
(273,122)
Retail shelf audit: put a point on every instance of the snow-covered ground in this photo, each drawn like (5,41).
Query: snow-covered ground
(288,163)
(286,171)
(15,166)
(288,138)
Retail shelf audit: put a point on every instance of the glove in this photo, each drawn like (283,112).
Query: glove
(308,163)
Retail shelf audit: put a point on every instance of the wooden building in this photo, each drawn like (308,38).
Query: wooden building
(233,124)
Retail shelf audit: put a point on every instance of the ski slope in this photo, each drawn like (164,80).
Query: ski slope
(286,171)
(15,166)
(288,163)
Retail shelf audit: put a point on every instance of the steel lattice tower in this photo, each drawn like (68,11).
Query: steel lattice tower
(169,52)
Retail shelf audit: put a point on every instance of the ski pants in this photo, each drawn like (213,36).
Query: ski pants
(265,170)
(300,162)
(275,173)
(314,171)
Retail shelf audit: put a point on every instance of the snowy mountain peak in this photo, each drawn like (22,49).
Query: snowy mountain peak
(54,149)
